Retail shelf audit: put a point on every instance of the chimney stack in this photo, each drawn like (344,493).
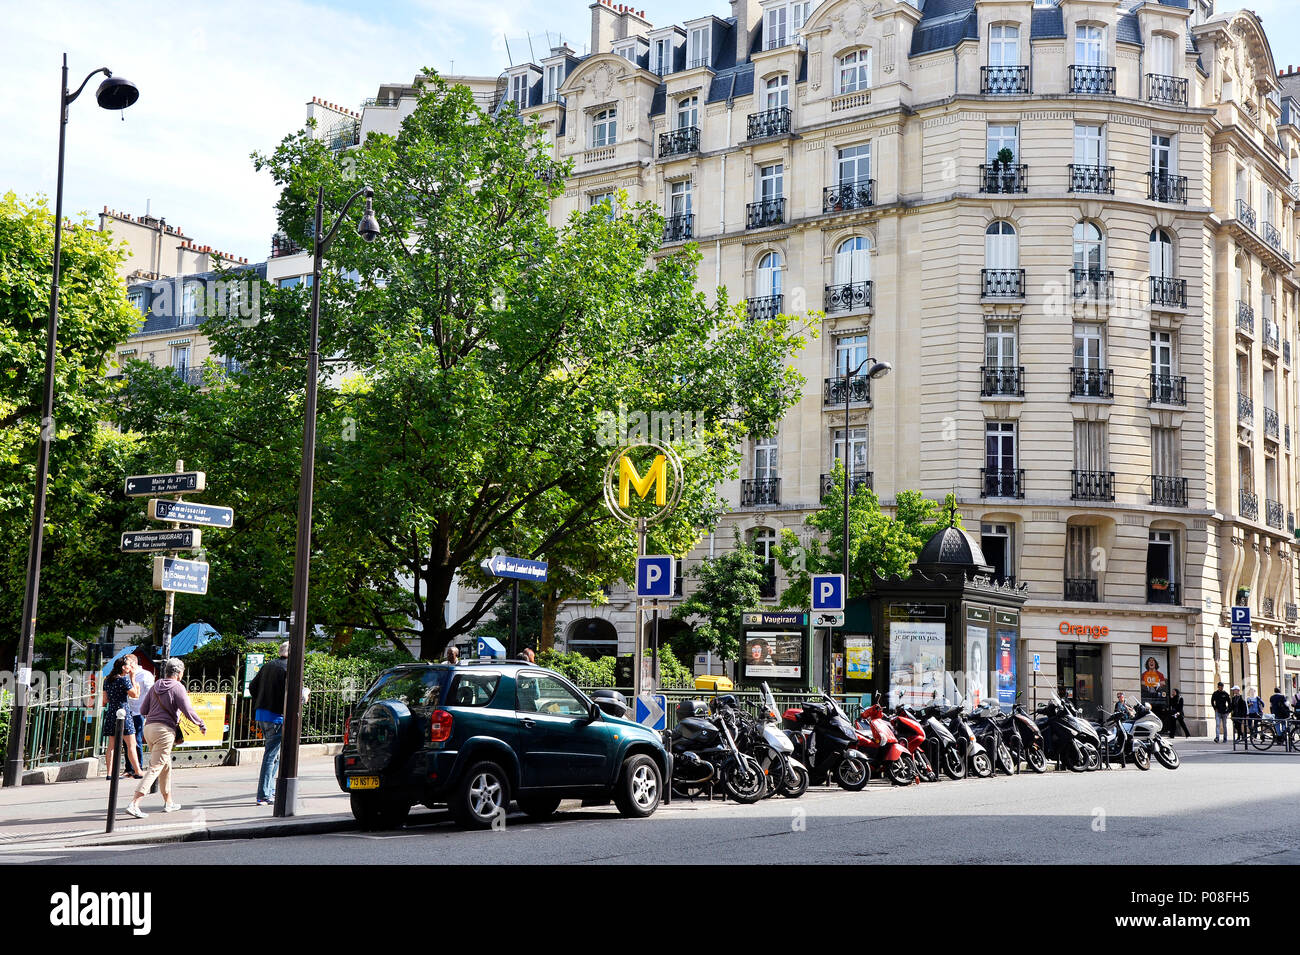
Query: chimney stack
(749,16)
(605,22)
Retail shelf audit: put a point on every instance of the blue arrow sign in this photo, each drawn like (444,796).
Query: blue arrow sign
(652,711)
(515,568)
(183,576)
(827,592)
(654,576)
(187,512)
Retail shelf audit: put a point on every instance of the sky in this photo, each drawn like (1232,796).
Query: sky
(221,80)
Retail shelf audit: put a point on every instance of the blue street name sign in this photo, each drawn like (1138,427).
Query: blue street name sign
(515,568)
(187,512)
(654,576)
(1038,663)
(183,576)
(827,592)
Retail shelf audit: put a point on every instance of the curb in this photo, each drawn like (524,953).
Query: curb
(272,830)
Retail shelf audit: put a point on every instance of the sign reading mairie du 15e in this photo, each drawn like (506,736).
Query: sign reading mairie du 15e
(186,482)
(137,541)
(183,576)
(187,512)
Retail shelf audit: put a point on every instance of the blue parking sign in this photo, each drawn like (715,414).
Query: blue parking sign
(654,575)
(1240,622)
(827,592)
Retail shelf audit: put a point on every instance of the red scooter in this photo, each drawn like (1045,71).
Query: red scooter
(911,734)
(876,741)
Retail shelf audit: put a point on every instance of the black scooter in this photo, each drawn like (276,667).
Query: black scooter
(940,743)
(1067,737)
(1025,738)
(827,744)
(1116,733)
(990,730)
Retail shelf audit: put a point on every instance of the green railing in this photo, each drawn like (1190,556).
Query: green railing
(62,726)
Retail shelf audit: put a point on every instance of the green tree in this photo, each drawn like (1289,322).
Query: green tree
(728,585)
(530,621)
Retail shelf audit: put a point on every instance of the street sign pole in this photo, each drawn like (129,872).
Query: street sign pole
(638,637)
(514,619)
(169,601)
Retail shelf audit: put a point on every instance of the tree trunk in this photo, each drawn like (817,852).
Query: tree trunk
(550,610)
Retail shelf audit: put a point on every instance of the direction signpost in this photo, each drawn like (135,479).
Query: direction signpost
(137,541)
(515,569)
(187,512)
(828,604)
(180,576)
(184,482)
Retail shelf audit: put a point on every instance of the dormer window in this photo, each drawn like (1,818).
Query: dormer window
(519,90)
(661,56)
(551,88)
(698,49)
(781,24)
(627,51)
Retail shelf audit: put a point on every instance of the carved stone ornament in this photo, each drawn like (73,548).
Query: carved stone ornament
(602,81)
(853,19)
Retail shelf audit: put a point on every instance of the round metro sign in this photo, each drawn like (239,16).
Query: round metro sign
(663,478)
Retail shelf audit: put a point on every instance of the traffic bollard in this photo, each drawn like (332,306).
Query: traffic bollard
(114,769)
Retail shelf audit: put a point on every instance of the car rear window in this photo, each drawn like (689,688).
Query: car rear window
(420,687)
(473,689)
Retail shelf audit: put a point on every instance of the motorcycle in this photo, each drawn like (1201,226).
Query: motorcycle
(991,731)
(763,739)
(705,752)
(1116,736)
(826,743)
(877,740)
(1025,739)
(910,732)
(1068,737)
(973,752)
(1146,732)
(940,742)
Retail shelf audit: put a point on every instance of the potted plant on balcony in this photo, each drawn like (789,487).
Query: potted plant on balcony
(1159,583)
(1003,166)
(1243,596)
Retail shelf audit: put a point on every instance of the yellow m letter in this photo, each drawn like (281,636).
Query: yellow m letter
(657,476)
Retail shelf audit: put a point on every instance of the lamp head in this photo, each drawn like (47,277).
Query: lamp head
(368,228)
(116,92)
(880,369)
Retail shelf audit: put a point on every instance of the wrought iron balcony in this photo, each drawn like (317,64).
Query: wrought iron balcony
(1245,214)
(1272,336)
(1272,428)
(1097,179)
(679,228)
(1273,513)
(679,142)
(1002,381)
(1267,607)
(1169,90)
(1168,389)
(1003,283)
(848,195)
(1092,485)
(1002,482)
(1095,284)
(1292,612)
(282,245)
(1004,80)
(1092,80)
(848,297)
(857,479)
(765,212)
(1166,594)
(1272,236)
(833,389)
(770,122)
(1163,187)
(1167,291)
(1002,180)
(1246,409)
(699,61)
(1286,351)
(1092,383)
(1245,318)
(1168,491)
(760,492)
(763,308)
(1248,505)
(1081,588)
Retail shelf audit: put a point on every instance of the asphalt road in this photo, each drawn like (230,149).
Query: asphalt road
(1219,807)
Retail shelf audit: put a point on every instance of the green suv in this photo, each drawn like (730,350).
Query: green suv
(472,737)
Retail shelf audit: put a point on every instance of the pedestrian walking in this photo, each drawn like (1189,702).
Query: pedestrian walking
(1277,704)
(162,709)
(1176,714)
(451,655)
(267,690)
(1222,706)
(117,693)
(1239,712)
(1254,704)
(143,680)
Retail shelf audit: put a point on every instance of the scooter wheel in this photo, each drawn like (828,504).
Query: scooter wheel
(1005,761)
(981,765)
(901,771)
(795,783)
(953,767)
(852,774)
(1037,760)
(1141,758)
(924,771)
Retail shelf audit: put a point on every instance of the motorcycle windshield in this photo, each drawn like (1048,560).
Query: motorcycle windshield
(769,703)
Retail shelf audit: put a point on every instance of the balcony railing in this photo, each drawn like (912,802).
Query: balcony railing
(1168,389)
(1003,180)
(858,479)
(763,308)
(1248,505)
(770,122)
(1273,512)
(1092,383)
(1170,90)
(1245,409)
(1002,482)
(765,212)
(1292,613)
(1168,491)
(1081,588)
(1272,236)
(1167,291)
(760,492)
(848,195)
(1003,283)
(282,245)
(1272,336)
(679,228)
(1098,179)
(1245,213)
(1272,427)
(1092,485)
(1163,187)
(1245,318)
(679,142)
(1093,80)
(847,297)
(1286,351)
(1095,284)
(699,61)
(833,390)
(1166,594)
(1002,381)
(1004,80)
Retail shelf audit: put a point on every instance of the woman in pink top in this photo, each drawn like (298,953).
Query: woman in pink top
(161,709)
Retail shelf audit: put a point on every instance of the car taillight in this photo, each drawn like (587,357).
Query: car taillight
(347,731)
(439,726)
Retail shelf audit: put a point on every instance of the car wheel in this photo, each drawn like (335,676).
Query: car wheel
(538,808)
(639,787)
(375,812)
(481,797)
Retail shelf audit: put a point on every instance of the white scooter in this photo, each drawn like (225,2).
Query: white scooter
(1146,728)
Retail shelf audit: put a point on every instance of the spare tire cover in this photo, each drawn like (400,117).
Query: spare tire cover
(381,733)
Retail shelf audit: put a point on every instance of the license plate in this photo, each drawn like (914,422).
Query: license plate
(363,782)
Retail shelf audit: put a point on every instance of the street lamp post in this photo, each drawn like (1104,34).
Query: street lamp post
(286,789)
(113,93)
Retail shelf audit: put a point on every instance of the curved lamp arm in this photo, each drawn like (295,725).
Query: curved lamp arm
(323,244)
(68,98)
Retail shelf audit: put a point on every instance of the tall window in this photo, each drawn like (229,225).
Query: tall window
(1001,248)
(1002,137)
(853,164)
(688,112)
(764,544)
(554,77)
(1089,45)
(180,359)
(1160,54)
(850,352)
(775,27)
(606,199)
(1089,347)
(661,56)
(189,303)
(1004,45)
(1165,461)
(1162,354)
(855,71)
(770,267)
(771,181)
(604,128)
(997,541)
(1161,254)
(1089,146)
(697,48)
(777,92)
(1000,345)
(1162,552)
(853,260)
(1000,446)
(1089,248)
(1162,155)
(519,90)
(1090,446)
(679,198)
(857,461)
(1080,540)
(765,458)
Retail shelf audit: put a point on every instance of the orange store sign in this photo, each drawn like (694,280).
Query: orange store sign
(1068,629)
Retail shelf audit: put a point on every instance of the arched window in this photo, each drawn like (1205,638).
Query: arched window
(770,267)
(777,92)
(1001,246)
(854,72)
(853,260)
(1162,254)
(604,128)
(1089,248)
(688,112)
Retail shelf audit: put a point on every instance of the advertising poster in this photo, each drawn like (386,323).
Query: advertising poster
(1155,675)
(916,662)
(777,654)
(977,664)
(1006,671)
(211,708)
(858,664)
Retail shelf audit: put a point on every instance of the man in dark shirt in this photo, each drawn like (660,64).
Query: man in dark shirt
(1239,712)
(1277,704)
(267,690)
(1221,703)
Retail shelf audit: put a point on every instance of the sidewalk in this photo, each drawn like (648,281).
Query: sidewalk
(218,802)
